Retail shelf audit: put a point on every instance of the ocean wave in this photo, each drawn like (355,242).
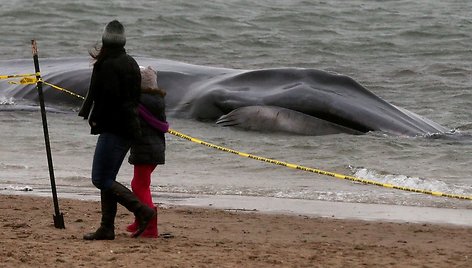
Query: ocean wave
(17,188)
(6,101)
(427,184)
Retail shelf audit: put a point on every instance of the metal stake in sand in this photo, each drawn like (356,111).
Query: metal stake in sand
(58,217)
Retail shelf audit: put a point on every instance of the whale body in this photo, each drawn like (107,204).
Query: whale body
(294,100)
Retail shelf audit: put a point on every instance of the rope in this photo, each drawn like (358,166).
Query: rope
(32,80)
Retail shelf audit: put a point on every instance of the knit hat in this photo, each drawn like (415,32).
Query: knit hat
(149,81)
(114,34)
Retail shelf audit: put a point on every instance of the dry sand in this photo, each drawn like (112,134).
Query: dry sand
(221,238)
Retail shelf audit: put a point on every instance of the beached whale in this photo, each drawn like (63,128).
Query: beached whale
(295,100)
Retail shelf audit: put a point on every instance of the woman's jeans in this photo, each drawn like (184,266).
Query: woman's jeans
(109,154)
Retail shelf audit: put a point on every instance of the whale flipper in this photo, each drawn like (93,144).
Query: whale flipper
(278,119)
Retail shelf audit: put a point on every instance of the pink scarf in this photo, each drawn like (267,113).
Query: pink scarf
(151,120)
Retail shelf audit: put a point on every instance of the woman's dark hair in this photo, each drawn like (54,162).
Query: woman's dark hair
(154,91)
(97,52)
(100,52)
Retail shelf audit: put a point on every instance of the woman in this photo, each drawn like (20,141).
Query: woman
(111,107)
(149,150)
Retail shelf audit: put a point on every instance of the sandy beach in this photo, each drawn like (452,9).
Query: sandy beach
(221,238)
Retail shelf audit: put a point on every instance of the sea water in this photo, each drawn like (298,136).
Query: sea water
(414,54)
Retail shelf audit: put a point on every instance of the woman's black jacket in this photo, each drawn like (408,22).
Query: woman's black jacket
(113,97)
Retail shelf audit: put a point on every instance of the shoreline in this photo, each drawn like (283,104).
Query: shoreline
(300,207)
(209,237)
(327,209)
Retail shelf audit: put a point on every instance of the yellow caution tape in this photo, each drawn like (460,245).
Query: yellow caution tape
(317,171)
(16,76)
(25,81)
(33,80)
(29,80)
(64,90)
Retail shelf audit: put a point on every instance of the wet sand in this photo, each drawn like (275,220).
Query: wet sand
(205,237)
